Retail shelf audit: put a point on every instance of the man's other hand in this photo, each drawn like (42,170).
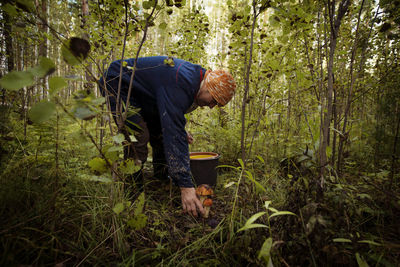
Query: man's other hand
(190,138)
(190,203)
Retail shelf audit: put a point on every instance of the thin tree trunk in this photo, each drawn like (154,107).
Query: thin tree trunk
(335,22)
(41,7)
(394,154)
(9,48)
(247,84)
(85,13)
(353,79)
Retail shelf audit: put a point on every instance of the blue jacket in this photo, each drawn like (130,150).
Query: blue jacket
(160,89)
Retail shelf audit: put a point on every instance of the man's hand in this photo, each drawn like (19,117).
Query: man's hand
(189,138)
(190,202)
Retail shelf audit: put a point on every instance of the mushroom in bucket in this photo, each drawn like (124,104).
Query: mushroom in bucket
(205,192)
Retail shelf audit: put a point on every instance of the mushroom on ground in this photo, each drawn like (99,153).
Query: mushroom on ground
(204,191)
(207,203)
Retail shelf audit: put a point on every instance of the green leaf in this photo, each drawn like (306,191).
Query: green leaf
(229,184)
(116,148)
(75,50)
(279,213)
(342,240)
(266,204)
(98,101)
(272,209)
(42,111)
(98,165)
(227,166)
(360,261)
(261,159)
(251,226)
(68,56)
(27,5)
(56,83)
(46,67)
(265,252)
(249,223)
(119,138)
(258,185)
(163,26)
(169,61)
(129,167)
(138,222)
(84,113)
(370,242)
(241,163)
(112,152)
(146,4)
(10,9)
(139,204)
(16,80)
(118,208)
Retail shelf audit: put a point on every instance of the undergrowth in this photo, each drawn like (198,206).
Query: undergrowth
(53,212)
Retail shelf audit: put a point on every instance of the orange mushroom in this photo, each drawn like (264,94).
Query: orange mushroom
(207,203)
(205,192)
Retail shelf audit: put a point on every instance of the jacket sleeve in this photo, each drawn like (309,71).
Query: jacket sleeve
(175,139)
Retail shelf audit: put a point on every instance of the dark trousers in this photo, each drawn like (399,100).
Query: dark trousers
(147,128)
(147,132)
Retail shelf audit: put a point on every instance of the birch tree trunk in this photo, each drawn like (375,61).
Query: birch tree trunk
(41,9)
(85,35)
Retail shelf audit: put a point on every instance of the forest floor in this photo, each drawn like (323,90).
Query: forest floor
(51,217)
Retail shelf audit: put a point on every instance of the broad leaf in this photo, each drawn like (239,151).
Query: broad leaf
(163,26)
(46,67)
(129,167)
(10,9)
(98,101)
(118,208)
(98,165)
(84,113)
(138,222)
(42,111)
(119,138)
(265,252)
(56,83)
(16,80)
(361,262)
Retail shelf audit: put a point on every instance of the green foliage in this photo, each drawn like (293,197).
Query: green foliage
(16,80)
(265,252)
(42,111)
(56,211)
(193,34)
(129,167)
(75,50)
(98,165)
(56,84)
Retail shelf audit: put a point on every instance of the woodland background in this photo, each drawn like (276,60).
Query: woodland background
(309,143)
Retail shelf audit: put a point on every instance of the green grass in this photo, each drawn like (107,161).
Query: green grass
(52,215)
